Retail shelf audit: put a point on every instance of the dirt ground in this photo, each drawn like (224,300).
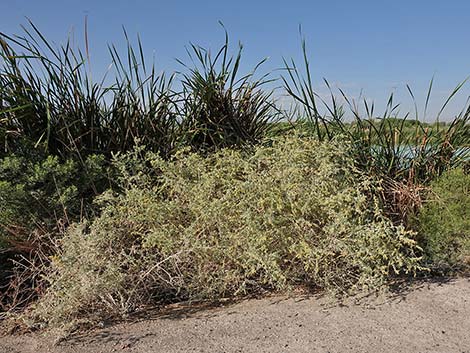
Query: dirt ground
(429,317)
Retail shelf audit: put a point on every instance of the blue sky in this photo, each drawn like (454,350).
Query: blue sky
(376,46)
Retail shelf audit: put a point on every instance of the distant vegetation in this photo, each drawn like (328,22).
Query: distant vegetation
(145,188)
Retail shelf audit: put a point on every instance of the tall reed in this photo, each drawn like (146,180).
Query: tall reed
(392,144)
(220,107)
(48,99)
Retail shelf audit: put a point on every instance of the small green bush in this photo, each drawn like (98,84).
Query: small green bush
(444,220)
(38,193)
(39,197)
(232,223)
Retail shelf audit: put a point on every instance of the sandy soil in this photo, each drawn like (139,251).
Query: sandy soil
(431,317)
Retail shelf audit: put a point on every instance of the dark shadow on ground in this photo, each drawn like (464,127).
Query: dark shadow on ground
(398,291)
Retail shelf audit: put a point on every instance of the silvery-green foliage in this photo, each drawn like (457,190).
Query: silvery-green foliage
(295,211)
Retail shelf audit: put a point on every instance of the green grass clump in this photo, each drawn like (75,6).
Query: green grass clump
(50,101)
(444,220)
(222,108)
(294,211)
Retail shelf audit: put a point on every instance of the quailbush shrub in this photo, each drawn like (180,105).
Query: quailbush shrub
(295,211)
(444,220)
